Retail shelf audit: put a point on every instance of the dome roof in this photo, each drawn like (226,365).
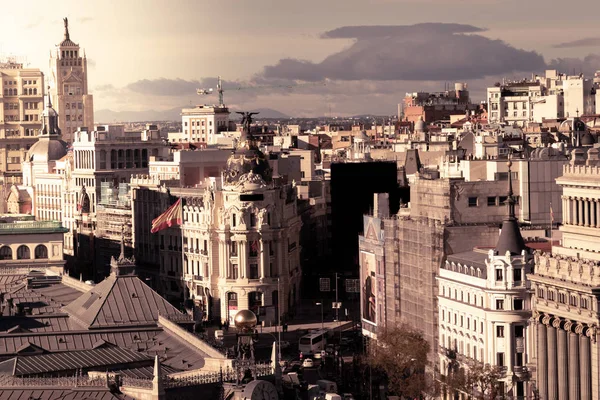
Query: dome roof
(47,149)
(247,160)
(361,136)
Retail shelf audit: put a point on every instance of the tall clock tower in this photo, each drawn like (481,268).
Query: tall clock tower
(69,87)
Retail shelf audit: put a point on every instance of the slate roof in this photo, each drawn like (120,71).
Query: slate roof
(62,394)
(103,357)
(474,258)
(151,341)
(119,301)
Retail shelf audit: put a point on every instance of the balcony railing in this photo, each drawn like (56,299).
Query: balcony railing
(32,227)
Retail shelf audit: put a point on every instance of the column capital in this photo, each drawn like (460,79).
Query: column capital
(568,325)
(591,332)
(546,319)
(579,328)
(556,322)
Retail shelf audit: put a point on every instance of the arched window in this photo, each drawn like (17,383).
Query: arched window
(41,251)
(23,253)
(5,253)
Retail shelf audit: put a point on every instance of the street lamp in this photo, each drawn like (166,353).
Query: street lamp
(322,324)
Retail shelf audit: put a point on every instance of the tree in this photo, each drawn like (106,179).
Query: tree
(484,380)
(401,353)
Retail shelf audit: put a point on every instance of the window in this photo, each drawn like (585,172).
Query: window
(518,304)
(23,253)
(5,253)
(519,331)
(498,274)
(443,315)
(41,251)
(233,273)
(519,359)
(491,201)
(540,293)
(234,249)
(462,320)
(502,199)
(517,275)
(500,331)
(481,331)
(500,359)
(562,298)
(550,295)
(584,303)
(499,304)
(233,220)
(253,271)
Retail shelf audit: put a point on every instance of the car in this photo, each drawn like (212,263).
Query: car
(308,363)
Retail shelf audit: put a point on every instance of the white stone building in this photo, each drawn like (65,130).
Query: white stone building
(202,124)
(565,289)
(241,241)
(484,308)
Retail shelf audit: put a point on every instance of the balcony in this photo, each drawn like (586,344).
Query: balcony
(196,277)
(204,252)
(521,372)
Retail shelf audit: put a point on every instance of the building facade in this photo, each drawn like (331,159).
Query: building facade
(564,290)
(241,241)
(69,78)
(202,124)
(22,93)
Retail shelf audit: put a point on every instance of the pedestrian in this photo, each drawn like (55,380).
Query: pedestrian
(301,356)
(285,327)
(226,326)
(220,325)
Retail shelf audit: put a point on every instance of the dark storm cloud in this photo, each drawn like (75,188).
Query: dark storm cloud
(369,32)
(587,65)
(419,52)
(586,42)
(177,87)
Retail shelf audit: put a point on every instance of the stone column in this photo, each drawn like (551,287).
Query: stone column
(585,367)
(573,210)
(542,360)
(573,364)
(580,212)
(552,363)
(586,212)
(261,259)
(563,377)
(566,210)
(597,213)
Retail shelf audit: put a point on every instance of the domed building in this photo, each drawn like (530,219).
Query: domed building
(241,240)
(41,159)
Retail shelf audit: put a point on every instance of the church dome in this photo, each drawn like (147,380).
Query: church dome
(47,149)
(420,125)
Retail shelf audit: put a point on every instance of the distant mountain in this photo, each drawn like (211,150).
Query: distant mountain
(173,114)
(269,113)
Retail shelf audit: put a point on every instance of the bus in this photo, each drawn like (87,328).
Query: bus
(313,342)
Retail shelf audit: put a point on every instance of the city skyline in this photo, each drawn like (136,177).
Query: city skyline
(161,61)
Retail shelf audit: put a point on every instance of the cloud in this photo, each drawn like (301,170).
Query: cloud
(587,65)
(430,51)
(585,42)
(33,24)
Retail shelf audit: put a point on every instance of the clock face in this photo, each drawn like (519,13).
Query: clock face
(260,390)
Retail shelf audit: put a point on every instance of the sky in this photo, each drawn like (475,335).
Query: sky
(341,57)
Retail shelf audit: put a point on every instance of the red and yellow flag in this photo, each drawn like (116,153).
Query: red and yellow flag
(173,216)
